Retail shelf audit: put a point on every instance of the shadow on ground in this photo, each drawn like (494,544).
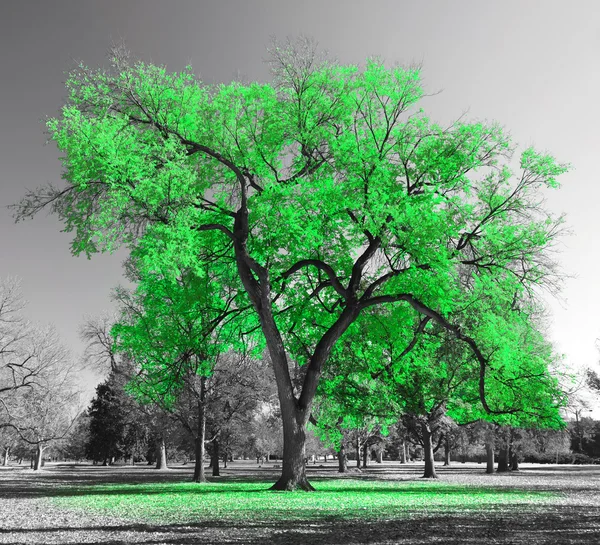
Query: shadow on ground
(560,526)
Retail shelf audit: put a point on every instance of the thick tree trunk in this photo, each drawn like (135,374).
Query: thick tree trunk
(403,452)
(295,411)
(428,452)
(293,471)
(357,447)
(199,475)
(447,461)
(365,455)
(503,459)
(342,460)
(380,456)
(161,453)
(225,459)
(215,458)
(6,453)
(489,452)
(39,455)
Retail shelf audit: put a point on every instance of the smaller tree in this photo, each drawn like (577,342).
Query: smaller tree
(43,413)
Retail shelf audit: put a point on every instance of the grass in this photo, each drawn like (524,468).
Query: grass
(251,502)
(384,505)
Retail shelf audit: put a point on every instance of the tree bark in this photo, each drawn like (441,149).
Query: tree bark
(161,453)
(293,474)
(403,452)
(39,455)
(380,456)
(428,451)
(357,446)
(447,461)
(365,454)
(503,459)
(342,460)
(514,461)
(6,453)
(489,451)
(215,458)
(199,475)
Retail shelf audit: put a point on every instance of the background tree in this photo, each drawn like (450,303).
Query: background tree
(8,440)
(173,330)
(107,424)
(43,412)
(74,446)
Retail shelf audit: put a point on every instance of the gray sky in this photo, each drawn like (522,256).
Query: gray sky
(532,66)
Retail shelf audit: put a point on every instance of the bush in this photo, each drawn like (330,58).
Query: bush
(549,458)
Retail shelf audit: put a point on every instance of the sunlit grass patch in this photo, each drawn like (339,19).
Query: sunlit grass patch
(252,501)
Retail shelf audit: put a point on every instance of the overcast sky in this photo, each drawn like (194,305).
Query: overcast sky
(532,66)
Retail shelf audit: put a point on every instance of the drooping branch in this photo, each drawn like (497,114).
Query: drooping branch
(453,328)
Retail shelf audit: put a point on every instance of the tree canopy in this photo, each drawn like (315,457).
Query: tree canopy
(328,192)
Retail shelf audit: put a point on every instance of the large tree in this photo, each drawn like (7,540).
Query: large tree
(328,191)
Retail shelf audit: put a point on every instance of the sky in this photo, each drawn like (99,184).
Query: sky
(530,66)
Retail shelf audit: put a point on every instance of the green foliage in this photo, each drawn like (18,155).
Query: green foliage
(171,327)
(327,194)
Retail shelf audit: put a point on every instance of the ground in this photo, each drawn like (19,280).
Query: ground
(386,504)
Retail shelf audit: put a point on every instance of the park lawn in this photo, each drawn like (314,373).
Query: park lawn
(251,501)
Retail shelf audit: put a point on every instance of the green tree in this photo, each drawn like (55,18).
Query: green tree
(328,192)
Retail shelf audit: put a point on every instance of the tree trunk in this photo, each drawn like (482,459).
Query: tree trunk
(39,455)
(365,455)
(342,461)
(295,411)
(380,456)
(489,452)
(215,458)
(161,453)
(428,452)
(503,459)
(403,452)
(6,453)
(357,447)
(514,461)
(225,459)
(447,461)
(293,470)
(199,476)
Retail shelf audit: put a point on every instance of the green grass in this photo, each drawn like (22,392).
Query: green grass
(251,501)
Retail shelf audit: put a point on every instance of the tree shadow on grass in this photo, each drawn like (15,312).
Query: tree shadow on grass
(49,488)
(561,525)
